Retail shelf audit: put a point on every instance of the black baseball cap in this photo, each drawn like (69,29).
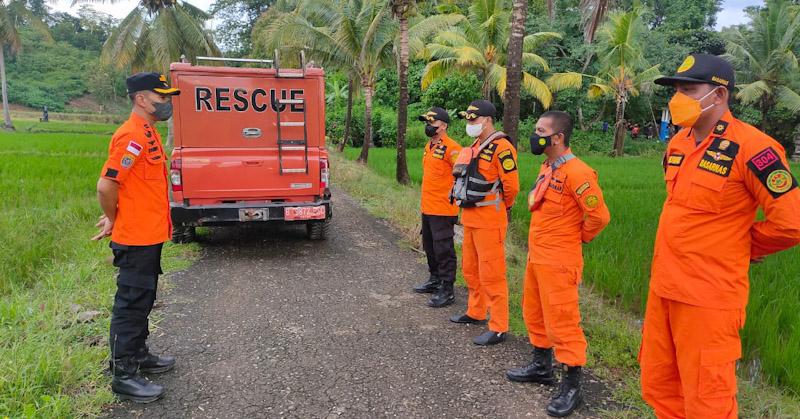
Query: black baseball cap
(477,109)
(702,68)
(150,81)
(435,114)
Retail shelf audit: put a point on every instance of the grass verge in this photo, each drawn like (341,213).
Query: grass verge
(52,277)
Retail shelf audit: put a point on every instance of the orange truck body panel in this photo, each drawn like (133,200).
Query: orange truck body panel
(226,153)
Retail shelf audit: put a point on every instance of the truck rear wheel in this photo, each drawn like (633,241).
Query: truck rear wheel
(183,234)
(317,230)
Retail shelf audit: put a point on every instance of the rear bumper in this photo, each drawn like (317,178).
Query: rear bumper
(221,214)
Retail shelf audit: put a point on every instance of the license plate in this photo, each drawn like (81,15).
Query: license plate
(253,214)
(304,213)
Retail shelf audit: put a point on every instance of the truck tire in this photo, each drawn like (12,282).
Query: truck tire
(183,234)
(317,230)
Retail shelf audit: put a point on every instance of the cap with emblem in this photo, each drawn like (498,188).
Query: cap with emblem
(477,109)
(702,68)
(150,81)
(435,114)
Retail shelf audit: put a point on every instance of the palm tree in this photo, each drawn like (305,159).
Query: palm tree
(480,44)
(355,36)
(401,9)
(623,72)
(766,58)
(156,33)
(14,14)
(514,69)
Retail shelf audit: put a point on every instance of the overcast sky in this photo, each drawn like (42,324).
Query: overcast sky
(732,10)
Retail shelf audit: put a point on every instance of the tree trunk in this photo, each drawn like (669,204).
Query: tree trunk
(796,155)
(402,107)
(514,70)
(362,158)
(619,128)
(351,85)
(580,119)
(764,110)
(6,113)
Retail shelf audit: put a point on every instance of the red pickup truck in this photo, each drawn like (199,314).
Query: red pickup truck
(249,146)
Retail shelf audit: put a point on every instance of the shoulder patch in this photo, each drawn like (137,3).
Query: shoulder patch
(507,161)
(134,148)
(773,174)
(592,201)
(581,189)
(675,159)
(111,173)
(127,161)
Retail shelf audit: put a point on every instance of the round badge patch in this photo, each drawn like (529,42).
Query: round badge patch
(592,201)
(688,63)
(508,164)
(127,161)
(779,181)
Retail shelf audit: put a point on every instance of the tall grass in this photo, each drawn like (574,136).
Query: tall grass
(618,261)
(51,365)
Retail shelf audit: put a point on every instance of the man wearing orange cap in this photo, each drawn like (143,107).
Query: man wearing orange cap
(719,171)
(567,210)
(486,187)
(133,194)
(439,214)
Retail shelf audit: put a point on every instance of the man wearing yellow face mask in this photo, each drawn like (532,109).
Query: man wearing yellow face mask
(719,171)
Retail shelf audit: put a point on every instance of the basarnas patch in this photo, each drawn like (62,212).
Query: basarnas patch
(772,173)
(581,189)
(719,156)
(507,161)
(592,201)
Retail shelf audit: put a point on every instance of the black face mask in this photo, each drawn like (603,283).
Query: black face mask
(430,130)
(539,143)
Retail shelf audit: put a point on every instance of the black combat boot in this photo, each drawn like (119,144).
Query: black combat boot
(443,297)
(154,364)
(127,384)
(569,395)
(430,286)
(489,337)
(540,370)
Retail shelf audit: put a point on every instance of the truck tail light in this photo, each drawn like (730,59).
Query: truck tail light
(324,174)
(175,175)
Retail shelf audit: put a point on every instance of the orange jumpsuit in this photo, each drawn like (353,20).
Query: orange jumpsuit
(484,258)
(136,160)
(437,177)
(572,212)
(706,237)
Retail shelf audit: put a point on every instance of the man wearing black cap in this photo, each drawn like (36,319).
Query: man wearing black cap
(719,171)
(495,184)
(439,214)
(133,193)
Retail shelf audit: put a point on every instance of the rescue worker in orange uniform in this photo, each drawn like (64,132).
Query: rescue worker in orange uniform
(439,214)
(485,223)
(719,171)
(133,194)
(567,210)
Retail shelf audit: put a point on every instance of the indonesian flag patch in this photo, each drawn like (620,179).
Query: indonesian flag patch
(134,148)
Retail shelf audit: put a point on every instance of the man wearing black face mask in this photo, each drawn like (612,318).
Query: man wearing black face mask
(133,194)
(439,215)
(567,210)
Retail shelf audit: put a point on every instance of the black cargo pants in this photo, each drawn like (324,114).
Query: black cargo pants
(437,241)
(137,282)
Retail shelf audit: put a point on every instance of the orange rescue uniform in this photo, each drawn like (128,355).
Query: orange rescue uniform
(437,177)
(572,212)
(706,237)
(137,162)
(484,259)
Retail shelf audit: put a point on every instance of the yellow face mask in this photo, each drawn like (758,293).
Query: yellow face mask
(686,110)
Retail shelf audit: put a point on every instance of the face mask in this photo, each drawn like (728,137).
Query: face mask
(430,130)
(163,111)
(685,110)
(474,130)
(539,143)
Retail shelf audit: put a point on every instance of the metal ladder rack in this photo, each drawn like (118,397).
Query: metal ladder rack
(293,144)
